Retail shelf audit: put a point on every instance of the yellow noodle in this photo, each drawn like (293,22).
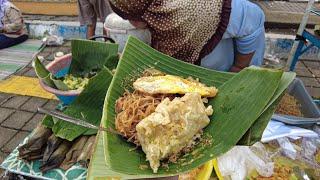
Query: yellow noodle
(131,109)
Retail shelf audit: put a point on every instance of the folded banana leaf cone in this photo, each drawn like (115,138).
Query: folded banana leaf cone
(242,109)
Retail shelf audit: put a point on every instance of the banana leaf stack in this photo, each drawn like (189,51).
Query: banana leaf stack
(55,152)
(242,109)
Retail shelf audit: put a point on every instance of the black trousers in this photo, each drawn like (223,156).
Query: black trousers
(6,42)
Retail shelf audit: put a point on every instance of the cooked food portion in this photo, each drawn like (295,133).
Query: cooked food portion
(169,84)
(74,83)
(172,127)
(165,115)
(131,109)
(289,106)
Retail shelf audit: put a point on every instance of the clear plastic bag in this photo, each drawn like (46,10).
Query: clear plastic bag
(287,148)
(241,160)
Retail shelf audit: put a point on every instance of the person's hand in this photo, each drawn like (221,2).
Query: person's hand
(241,61)
(235,69)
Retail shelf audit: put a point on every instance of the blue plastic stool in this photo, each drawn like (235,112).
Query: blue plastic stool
(303,46)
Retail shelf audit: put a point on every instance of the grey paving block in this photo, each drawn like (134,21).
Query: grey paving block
(314,67)
(30,73)
(301,65)
(315,72)
(22,71)
(312,82)
(286,12)
(45,62)
(4,97)
(5,113)
(5,135)
(49,49)
(32,124)
(15,102)
(18,119)
(15,141)
(303,71)
(44,55)
(312,64)
(52,104)
(33,104)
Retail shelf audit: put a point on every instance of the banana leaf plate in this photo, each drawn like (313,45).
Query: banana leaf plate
(244,105)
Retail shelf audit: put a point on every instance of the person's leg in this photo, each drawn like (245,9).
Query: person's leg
(87,16)
(102,9)
(91,30)
(8,42)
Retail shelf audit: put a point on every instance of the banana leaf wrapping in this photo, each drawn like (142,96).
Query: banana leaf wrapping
(74,152)
(87,57)
(243,99)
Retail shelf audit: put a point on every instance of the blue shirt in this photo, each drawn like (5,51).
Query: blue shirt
(244,34)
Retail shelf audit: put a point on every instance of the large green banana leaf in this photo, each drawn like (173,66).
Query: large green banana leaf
(256,130)
(89,56)
(88,107)
(243,99)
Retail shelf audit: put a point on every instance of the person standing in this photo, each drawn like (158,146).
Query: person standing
(12,28)
(225,35)
(90,11)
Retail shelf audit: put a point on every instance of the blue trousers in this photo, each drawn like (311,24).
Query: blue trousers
(6,42)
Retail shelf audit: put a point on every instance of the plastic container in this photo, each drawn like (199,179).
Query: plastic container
(309,109)
(60,67)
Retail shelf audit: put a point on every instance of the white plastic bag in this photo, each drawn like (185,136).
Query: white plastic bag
(240,161)
(276,130)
